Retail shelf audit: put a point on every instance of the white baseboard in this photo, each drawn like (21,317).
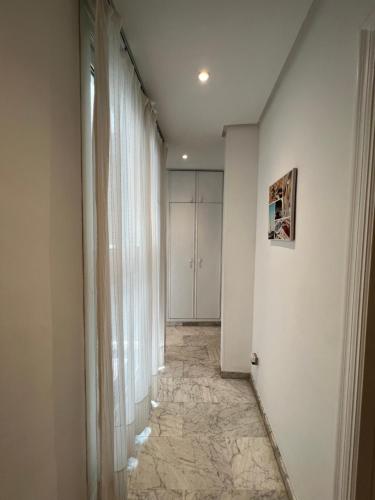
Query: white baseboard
(279,459)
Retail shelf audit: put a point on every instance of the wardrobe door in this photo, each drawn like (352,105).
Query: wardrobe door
(181,260)
(181,186)
(208,281)
(210,187)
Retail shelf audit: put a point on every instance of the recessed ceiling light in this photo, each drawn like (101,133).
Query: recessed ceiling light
(203,76)
(185,156)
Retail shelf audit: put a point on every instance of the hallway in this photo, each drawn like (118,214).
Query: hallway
(206,439)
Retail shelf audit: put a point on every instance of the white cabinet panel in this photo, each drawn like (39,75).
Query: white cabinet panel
(182,186)
(194,235)
(208,280)
(181,260)
(210,187)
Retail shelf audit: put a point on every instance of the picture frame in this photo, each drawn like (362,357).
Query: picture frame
(282,207)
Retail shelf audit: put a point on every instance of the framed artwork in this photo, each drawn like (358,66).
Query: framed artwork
(282,207)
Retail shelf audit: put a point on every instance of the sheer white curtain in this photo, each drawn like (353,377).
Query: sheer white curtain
(129,159)
(89,226)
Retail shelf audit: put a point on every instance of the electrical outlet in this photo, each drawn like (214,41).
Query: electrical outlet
(254,359)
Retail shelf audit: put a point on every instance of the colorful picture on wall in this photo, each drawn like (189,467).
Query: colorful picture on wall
(281,207)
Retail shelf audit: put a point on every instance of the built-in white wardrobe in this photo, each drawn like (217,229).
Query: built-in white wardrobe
(195,208)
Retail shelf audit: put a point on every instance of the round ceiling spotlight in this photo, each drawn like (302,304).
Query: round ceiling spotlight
(185,156)
(204,76)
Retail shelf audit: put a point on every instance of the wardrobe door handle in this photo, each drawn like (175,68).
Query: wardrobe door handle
(200,262)
(191,263)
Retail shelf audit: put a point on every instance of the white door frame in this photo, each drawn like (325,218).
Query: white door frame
(363,208)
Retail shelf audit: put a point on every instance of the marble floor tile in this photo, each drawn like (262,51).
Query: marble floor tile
(214,352)
(211,330)
(195,330)
(194,369)
(253,465)
(231,391)
(202,340)
(158,494)
(166,420)
(186,353)
(174,329)
(174,336)
(205,439)
(172,369)
(185,390)
(182,464)
(165,494)
(223,419)
(235,495)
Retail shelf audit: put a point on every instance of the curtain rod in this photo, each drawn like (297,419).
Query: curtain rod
(132,59)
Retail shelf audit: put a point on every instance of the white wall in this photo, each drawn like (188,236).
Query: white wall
(239,222)
(300,287)
(42,429)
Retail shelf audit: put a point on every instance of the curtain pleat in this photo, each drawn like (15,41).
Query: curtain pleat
(130,309)
(89,239)
(102,143)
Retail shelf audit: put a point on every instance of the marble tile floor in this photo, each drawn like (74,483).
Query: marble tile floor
(205,439)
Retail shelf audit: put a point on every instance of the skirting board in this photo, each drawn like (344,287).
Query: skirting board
(276,451)
(240,375)
(193,323)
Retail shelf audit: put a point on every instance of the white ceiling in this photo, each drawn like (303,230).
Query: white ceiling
(242,43)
